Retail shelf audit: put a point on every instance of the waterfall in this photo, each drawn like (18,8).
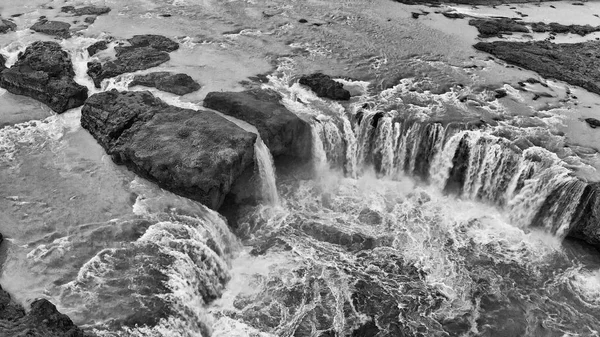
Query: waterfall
(266,169)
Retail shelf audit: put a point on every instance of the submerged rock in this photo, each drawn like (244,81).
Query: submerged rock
(146,51)
(179,84)
(574,63)
(6,26)
(593,122)
(196,154)
(87,10)
(45,72)
(324,86)
(284,133)
(54,28)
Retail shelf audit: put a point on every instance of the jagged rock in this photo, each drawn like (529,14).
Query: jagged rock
(541,27)
(196,154)
(179,84)
(146,51)
(496,27)
(593,122)
(45,72)
(284,133)
(54,28)
(96,47)
(453,15)
(574,63)
(6,26)
(324,86)
(87,10)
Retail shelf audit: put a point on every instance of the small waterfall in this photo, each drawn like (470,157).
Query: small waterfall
(266,169)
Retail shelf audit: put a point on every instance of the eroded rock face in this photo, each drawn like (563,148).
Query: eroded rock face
(196,154)
(45,72)
(283,132)
(179,84)
(574,63)
(586,219)
(54,28)
(324,86)
(146,51)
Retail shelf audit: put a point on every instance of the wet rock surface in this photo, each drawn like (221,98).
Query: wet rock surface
(497,27)
(586,219)
(467,2)
(96,47)
(196,154)
(45,72)
(554,27)
(573,63)
(87,10)
(6,26)
(54,28)
(593,122)
(145,51)
(179,84)
(284,133)
(324,86)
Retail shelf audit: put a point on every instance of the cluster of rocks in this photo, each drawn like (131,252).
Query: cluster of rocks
(63,29)
(496,27)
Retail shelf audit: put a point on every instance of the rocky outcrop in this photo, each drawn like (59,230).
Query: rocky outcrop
(45,72)
(541,27)
(497,27)
(324,86)
(467,2)
(87,10)
(284,133)
(179,84)
(6,26)
(96,47)
(144,52)
(54,28)
(593,122)
(574,63)
(196,154)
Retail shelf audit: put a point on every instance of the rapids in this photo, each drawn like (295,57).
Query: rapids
(430,207)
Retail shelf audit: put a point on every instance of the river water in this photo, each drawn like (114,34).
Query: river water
(379,236)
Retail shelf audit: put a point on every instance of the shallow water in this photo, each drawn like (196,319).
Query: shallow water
(364,239)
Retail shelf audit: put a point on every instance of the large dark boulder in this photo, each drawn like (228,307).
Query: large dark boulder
(496,27)
(196,154)
(574,63)
(87,10)
(54,28)
(45,72)
(96,47)
(283,132)
(179,84)
(324,86)
(6,26)
(146,51)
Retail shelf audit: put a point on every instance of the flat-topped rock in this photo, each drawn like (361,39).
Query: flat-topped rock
(196,154)
(496,27)
(179,84)
(283,132)
(145,51)
(86,10)
(45,72)
(324,86)
(54,28)
(574,63)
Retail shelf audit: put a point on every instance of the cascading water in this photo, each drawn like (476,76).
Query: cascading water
(266,169)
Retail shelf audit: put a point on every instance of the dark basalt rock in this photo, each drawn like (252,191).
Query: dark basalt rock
(585,224)
(450,15)
(96,47)
(146,51)
(466,2)
(54,28)
(90,20)
(179,84)
(496,27)
(541,27)
(324,86)
(6,26)
(2,63)
(45,72)
(284,133)
(593,122)
(87,10)
(196,154)
(574,63)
